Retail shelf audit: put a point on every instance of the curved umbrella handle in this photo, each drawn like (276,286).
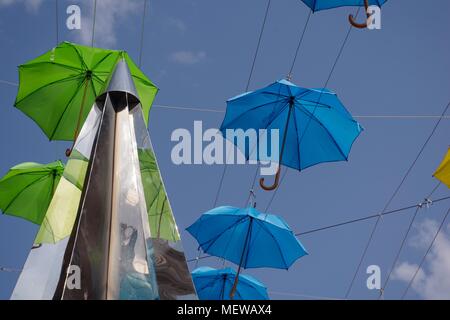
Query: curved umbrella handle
(275,183)
(353,22)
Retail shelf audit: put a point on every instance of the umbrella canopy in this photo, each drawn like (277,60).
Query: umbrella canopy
(313,124)
(247,237)
(58,88)
(27,189)
(213,284)
(443,172)
(317,5)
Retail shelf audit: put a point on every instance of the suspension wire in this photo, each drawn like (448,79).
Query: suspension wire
(372,216)
(397,256)
(9,83)
(341,49)
(427,202)
(225,166)
(391,212)
(199,109)
(301,295)
(266,14)
(141,46)
(56,21)
(11,270)
(299,45)
(258,45)
(219,189)
(425,255)
(366,248)
(93,23)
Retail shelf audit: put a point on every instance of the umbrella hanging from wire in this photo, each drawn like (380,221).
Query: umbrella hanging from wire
(58,88)
(248,238)
(317,5)
(314,125)
(27,189)
(213,284)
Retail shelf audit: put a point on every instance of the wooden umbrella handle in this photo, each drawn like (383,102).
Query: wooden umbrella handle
(358,25)
(80,114)
(275,183)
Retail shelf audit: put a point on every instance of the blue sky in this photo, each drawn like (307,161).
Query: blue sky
(199,53)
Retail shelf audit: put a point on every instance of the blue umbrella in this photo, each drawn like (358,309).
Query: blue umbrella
(247,238)
(316,126)
(213,284)
(317,5)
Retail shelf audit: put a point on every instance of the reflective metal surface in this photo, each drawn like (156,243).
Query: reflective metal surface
(88,248)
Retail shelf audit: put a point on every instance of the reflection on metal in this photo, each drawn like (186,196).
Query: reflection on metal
(172,273)
(112,243)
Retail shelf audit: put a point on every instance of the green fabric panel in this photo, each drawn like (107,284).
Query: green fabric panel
(160,215)
(76,169)
(61,214)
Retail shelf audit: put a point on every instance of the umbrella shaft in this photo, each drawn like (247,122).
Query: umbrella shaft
(236,280)
(291,104)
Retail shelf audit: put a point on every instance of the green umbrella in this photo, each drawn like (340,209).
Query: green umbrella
(58,88)
(27,189)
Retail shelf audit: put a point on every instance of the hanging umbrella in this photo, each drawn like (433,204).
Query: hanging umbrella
(313,124)
(27,189)
(213,284)
(58,88)
(317,5)
(443,172)
(247,238)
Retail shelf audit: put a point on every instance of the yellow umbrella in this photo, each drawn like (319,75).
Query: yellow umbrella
(443,172)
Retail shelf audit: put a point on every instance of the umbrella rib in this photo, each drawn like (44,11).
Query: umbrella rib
(47,85)
(23,173)
(279,113)
(32,64)
(79,56)
(272,94)
(299,141)
(314,104)
(92,84)
(67,107)
(214,239)
(101,60)
(252,109)
(325,129)
(278,245)
(21,191)
(209,283)
(154,199)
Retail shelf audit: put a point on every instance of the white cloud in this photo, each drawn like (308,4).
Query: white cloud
(32,6)
(188,57)
(433,279)
(405,271)
(110,14)
(425,232)
(177,24)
